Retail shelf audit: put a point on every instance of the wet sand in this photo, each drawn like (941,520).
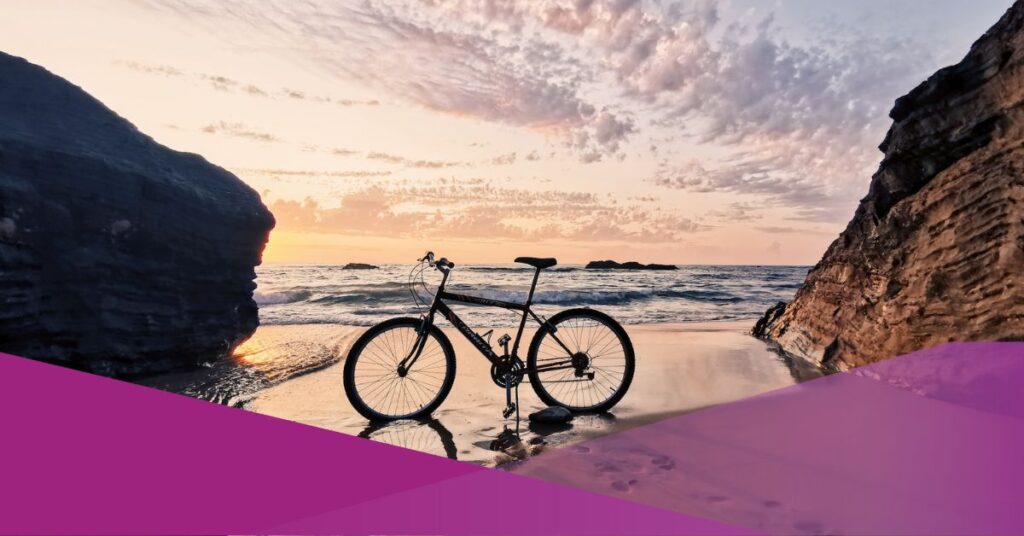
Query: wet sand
(272,355)
(680,367)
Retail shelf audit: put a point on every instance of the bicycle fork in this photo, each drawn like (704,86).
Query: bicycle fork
(414,354)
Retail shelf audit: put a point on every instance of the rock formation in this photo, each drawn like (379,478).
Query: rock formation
(935,251)
(359,266)
(628,265)
(117,255)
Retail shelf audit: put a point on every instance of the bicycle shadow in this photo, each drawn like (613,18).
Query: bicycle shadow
(532,438)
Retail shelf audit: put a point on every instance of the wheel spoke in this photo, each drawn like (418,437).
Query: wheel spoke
(604,352)
(381,389)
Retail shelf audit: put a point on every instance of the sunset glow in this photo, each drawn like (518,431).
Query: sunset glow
(732,132)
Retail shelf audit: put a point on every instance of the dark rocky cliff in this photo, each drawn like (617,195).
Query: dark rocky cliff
(117,255)
(935,251)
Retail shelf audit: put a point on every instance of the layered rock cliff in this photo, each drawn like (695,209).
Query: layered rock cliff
(117,255)
(935,251)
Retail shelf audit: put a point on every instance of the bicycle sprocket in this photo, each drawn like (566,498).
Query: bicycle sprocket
(512,366)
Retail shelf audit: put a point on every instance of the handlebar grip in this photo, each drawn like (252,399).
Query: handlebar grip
(443,262)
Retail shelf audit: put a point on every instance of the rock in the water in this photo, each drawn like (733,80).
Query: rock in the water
(935,251)
(629,265)
(509,443)
(359,266)
(552,415)
(117,255)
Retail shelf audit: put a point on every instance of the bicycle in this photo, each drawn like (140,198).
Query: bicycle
(404,368)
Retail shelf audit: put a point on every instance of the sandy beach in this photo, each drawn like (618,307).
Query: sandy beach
(680,368)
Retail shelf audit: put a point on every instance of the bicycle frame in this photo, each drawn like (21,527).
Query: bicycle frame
(439,306)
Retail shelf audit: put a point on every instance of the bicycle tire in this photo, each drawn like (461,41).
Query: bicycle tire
(352,361)
(551,326)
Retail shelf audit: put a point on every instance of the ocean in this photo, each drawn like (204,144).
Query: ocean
(311,313)
(329,294)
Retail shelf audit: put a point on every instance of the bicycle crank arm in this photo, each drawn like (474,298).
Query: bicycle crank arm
(510,407)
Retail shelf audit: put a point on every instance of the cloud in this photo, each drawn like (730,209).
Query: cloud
(737,212)
(410,163)
(814,182)
(350,102)
(736,86)
(504,159)
(602,136)
(792,123)
(478,208)
(223,83)
(411,51)
(238,130)
(229,85)
(255,90)
(164,70)
(312,173)
(793,230)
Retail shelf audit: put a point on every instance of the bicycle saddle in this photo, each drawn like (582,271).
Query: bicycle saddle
(537,262)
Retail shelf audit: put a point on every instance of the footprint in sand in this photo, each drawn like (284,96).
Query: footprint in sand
(607,467)
(624,486)
(812,527)
(663,462)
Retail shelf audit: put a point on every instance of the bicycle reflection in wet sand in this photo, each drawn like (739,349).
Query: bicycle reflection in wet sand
(429,436)
(510,445)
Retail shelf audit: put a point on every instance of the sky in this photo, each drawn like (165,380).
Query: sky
(695,132)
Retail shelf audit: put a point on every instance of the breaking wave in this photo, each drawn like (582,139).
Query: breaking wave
(316,294)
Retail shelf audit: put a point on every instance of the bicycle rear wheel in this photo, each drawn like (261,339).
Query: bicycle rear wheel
(585,361)
(372,380)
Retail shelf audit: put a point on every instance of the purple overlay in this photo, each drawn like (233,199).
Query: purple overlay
(86,454)
(926,443)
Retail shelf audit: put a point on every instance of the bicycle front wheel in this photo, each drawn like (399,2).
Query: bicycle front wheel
(376,387)
(582,360)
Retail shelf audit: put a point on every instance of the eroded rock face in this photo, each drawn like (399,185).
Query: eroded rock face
(117,255)
(935,251)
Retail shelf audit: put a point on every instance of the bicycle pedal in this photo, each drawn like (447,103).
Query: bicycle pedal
(508,411)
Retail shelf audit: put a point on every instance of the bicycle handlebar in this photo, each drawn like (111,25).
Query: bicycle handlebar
(441,264)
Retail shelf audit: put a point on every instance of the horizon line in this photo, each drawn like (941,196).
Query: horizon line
(463,263)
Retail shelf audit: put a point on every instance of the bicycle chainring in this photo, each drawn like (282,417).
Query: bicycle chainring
(513,366)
